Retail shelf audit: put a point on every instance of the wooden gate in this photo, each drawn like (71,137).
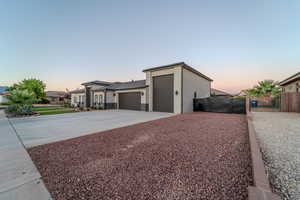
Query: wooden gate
(290,102)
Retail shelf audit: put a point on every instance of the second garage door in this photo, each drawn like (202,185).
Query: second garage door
(130,101)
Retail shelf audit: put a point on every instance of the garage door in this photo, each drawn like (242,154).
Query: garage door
(163,93)
(130,101)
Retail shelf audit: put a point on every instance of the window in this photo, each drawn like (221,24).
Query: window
(75,99)
(100,98)
(96,98)
(195,95)
(79,98)
(297,87)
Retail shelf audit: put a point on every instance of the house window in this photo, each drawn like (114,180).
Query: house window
(195,95)
(100,98)
(96,98)
(75,99)
(297,87)
(83,98)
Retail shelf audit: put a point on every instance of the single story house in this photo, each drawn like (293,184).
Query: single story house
(290,98)
(57,97)
(3,94)
(215,92)
(291,84)
(168,88)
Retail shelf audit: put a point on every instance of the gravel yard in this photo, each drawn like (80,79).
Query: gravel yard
(279,138)
(189,156)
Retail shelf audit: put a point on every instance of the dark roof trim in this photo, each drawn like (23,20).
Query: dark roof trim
(182,64)
(130,88)
(102,83)
(163,66)
(290,79)
(77,91)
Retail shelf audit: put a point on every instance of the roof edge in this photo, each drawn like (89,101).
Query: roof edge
(163,66)
(289,79)
(182,64)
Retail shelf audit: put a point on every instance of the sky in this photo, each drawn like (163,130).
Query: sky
(67,42)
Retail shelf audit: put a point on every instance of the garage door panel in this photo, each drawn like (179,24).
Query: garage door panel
(163,93)
(130,101)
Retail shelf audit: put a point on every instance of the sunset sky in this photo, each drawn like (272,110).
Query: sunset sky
(67,42)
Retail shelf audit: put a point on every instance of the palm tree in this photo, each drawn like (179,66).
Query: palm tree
(21,97)
(266,88)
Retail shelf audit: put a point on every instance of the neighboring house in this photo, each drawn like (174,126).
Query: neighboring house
(290,98)
(57,97)
(242,93)
(3,94)
(291,84)
(215,92)
(168,88)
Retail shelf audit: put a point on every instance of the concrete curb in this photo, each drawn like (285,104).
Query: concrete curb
(261,189)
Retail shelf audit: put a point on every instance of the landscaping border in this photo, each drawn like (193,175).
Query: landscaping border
(261,189)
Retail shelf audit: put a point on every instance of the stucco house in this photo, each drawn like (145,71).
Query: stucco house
(290,97)
(57,97)
(168,88)
(3,94)
(291,84)
(215,92)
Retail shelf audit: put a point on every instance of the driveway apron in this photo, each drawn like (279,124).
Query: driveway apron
(19,178)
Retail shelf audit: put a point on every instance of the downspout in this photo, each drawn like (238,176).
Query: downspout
(104,106)
(181,89)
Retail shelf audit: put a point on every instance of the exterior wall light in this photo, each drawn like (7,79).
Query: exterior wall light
(142,93)
(176,92)
(114,94)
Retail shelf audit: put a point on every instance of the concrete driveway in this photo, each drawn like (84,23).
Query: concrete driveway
(46,129)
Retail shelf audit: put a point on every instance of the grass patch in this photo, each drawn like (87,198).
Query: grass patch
(55,112)
(47,108)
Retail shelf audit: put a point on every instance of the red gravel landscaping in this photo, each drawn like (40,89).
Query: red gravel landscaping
(188,156)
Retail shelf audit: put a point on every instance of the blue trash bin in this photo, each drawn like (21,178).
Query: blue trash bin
(254,103)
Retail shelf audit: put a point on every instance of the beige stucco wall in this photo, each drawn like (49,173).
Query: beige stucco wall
(144,98)
(193,83)
(291,87)
(73,95)
(110,98)
(176,71)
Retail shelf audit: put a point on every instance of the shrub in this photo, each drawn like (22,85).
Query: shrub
(25,110)
(20,102)
(12,109)
(19,109)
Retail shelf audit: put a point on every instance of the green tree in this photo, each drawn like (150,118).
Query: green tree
(33,86)
(265,88)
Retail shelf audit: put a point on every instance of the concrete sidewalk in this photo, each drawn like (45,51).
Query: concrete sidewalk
(19,178)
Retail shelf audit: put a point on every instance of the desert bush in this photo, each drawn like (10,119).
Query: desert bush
(25,110)
(20,102)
